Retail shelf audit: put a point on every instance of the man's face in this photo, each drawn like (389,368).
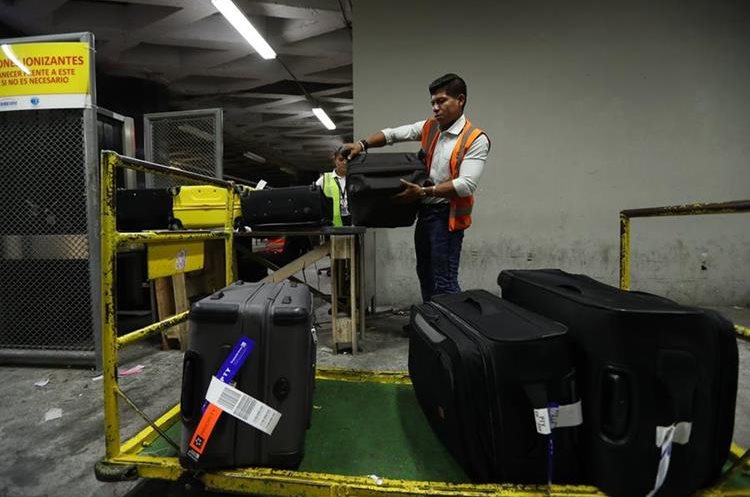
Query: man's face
(339,163)
(445,108)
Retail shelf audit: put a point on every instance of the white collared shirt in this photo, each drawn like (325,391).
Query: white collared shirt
(440,171)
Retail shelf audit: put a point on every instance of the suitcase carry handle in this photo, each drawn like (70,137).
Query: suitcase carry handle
(571,288)
(475,303)
(189,374)
(616,404)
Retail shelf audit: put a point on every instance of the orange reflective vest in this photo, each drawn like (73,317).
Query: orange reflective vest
(460,213)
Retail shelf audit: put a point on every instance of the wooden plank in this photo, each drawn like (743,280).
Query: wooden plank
(211,278)
(343,260)
(341,246)
(353,308)
(164,297)
(342,332)
(181,304)
(298,264)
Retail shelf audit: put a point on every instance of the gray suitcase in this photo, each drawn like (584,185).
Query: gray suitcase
(280,372)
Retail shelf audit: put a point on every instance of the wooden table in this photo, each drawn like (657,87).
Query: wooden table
(343,244)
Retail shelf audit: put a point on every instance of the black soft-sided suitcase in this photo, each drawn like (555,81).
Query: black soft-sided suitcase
(279,371)
(482,370)
(644,362)
(372,181)
(144,209)
(289,206)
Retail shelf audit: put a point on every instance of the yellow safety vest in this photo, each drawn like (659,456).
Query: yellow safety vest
(331,190)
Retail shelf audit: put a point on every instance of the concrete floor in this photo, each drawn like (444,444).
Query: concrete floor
(56,457)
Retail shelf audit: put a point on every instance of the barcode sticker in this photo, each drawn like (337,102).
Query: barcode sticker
(242,406)
(543,425)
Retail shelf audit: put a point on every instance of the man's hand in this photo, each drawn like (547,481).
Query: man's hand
(351,150)
(411,193)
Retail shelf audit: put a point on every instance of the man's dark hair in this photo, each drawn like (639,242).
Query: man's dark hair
(452,84)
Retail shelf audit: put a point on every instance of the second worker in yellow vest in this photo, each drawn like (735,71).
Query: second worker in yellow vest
(334,187)
(455,153)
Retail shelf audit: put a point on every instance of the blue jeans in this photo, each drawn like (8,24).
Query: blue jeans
(438,251)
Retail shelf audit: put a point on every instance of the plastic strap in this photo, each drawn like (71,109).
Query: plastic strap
(666,436)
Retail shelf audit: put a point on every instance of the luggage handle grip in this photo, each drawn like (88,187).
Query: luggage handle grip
(475,303)
(187,397)
(571,288)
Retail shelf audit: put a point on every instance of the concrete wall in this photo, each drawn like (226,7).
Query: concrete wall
(592,107)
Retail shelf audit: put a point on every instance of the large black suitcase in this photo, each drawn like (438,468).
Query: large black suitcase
(372,181)
(485,372)
(144,209)
(646,364)
(279,372)
(290,206)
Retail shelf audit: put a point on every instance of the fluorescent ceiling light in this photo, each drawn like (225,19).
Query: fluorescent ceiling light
(255,157)
(323,117)
(237,19)
(192,130)
(9,53)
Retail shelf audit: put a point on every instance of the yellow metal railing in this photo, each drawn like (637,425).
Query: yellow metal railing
(671,210)
(111,239)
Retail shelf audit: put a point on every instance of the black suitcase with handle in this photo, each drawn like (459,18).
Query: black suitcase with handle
(279,372)
(491,378)
(658,381)
(293,206)
(371,182)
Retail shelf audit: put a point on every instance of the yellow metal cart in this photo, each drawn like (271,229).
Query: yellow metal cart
(136,457)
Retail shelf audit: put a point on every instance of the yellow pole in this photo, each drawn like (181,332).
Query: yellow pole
(109,161)
(624,252)
(229,236)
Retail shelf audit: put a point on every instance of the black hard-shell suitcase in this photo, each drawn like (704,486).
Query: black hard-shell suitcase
(372,181)
(289,206)
(485,371)
(644,362)
(144,209)
(280,372)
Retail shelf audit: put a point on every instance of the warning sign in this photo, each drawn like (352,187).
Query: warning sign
(45,76)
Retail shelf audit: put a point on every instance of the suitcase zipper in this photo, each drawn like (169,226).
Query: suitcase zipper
(473,336)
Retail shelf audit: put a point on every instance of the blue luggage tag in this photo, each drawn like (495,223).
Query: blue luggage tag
(232,364)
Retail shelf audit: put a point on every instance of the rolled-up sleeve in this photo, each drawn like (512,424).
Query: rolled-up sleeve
(405,133)
(472,167)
